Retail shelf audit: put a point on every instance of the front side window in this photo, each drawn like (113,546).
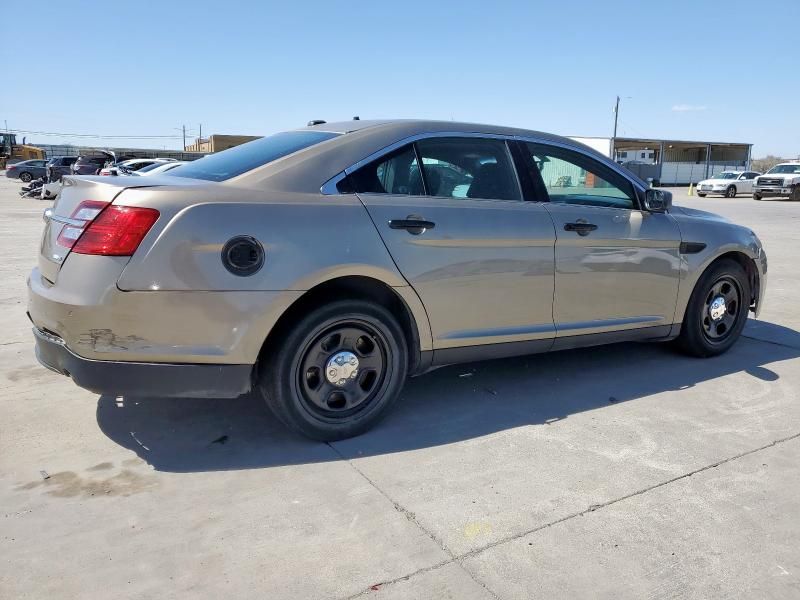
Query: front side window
(479,168)
(574,178)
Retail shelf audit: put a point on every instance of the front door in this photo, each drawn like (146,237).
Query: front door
(480,258)
(617,266)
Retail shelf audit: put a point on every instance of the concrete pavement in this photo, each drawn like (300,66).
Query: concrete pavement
(624,471)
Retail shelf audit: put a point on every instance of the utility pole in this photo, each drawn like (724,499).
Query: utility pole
(614,137)
(200,135)
(184,137)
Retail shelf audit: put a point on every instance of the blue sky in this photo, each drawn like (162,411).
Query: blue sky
(684,69)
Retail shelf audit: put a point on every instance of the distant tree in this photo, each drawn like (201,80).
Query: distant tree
(762,165)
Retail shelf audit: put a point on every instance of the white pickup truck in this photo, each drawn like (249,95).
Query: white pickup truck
(781,180)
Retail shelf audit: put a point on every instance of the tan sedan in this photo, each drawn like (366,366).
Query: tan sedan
(322,266)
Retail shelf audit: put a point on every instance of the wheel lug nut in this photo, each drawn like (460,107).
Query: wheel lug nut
(332,372)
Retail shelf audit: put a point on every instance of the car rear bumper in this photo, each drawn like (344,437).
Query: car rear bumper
(120,378)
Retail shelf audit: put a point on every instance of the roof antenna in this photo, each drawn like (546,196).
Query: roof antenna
(313,122)
(356,118)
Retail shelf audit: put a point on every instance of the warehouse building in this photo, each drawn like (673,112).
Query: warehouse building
(218,143)
(672,162)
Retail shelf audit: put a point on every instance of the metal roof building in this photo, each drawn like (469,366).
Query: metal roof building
(672,162)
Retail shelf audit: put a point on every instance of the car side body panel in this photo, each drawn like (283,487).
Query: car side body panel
(484,272)
(623,275)
(720,237)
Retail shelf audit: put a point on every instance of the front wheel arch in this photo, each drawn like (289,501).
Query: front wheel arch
(749,266)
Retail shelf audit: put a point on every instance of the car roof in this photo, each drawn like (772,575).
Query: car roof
(429,126)
(308,169)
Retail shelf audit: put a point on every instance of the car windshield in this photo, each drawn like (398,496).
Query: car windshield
(238,160)
(726,175)
(785,169)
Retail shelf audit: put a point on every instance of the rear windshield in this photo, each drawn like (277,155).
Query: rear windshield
(238,160)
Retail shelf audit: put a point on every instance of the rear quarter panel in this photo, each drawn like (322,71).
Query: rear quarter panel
(307,240)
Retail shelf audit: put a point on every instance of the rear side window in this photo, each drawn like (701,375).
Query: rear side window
(451,168)
(235,161)
(396,173)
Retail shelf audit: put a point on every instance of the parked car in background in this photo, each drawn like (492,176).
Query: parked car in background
(456,243)
(133,165)
(728,184)
(27,170)
(160,168)
(58,166)
(782,181)
(89,165)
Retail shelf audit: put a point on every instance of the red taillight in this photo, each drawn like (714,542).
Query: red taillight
(83,215)
(117,231)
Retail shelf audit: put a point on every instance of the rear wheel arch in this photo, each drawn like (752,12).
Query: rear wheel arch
(350,287)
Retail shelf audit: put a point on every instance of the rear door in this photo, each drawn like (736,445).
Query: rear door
(617,266)
(451,213)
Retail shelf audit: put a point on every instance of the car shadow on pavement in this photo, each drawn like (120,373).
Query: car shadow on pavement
(448,405)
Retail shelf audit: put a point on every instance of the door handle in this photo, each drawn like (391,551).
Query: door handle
(413,224)
(580,228)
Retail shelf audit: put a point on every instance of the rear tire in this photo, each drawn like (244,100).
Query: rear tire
(25,177)
(295,379)
(711,327)
(730,192)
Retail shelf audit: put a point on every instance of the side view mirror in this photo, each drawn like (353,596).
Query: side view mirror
(657,201)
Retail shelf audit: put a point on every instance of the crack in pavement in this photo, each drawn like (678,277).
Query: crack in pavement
(459,558)
(781,344)
(413,518)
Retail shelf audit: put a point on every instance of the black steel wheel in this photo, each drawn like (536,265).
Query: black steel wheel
(717,310)
(338,371)
(721,309)
(342,369)
(25,177)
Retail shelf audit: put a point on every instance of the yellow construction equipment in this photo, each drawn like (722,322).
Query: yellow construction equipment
(10,151)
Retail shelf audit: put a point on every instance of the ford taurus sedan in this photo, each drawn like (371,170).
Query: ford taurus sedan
(321,267)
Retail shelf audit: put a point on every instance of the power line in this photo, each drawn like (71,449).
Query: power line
(97,136)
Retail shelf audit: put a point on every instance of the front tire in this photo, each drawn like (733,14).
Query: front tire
(717,310)
(796,193)
(756,196)
(701,195)
(730,192)
(337,372)
(25,177)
